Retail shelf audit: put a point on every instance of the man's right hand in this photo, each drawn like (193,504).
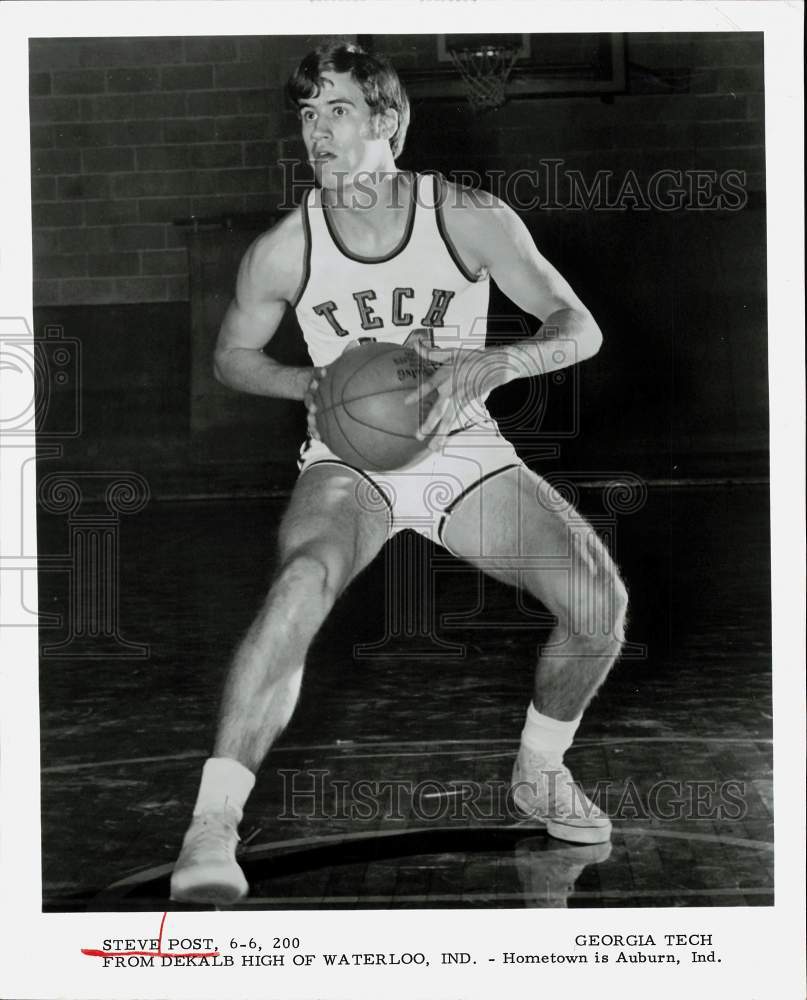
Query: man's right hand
(317,375)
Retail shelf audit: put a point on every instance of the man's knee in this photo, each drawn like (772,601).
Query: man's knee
(590,600)
(599,608)
(315,570)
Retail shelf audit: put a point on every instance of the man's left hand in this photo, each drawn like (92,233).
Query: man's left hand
(461,378)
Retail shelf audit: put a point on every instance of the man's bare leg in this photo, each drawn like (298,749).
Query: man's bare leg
(326,538)
(521,531)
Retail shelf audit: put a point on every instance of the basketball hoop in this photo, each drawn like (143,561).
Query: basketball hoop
(485,72)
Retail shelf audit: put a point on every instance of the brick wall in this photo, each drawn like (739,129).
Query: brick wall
(129,134)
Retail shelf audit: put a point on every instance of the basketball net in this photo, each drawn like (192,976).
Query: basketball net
(485,72)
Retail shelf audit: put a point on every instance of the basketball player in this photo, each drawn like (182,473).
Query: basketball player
(378,253)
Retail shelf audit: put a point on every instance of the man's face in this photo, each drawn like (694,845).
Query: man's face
(339,132)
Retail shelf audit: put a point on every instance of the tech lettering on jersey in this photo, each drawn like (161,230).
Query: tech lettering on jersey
(370,320)
(421,282)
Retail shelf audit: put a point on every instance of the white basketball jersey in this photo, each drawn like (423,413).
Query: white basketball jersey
(421,284)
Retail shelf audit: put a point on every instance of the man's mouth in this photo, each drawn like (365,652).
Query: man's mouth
(323,156)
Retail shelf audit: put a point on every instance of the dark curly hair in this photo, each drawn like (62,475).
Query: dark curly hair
(375,76)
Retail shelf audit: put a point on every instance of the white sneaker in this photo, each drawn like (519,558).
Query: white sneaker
(545,790)
(548,869)
(206,870)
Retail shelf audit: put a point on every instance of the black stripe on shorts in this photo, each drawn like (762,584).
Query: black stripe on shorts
(488,475)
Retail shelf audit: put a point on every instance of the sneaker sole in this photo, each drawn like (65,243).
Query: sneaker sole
(597,833)
(579,834)
(217,893)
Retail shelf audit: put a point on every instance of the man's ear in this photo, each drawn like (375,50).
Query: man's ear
(386,124)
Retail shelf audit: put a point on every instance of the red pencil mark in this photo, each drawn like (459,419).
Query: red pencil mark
(159,953)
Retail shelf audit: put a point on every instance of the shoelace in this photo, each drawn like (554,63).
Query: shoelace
(560,794)
(211,835)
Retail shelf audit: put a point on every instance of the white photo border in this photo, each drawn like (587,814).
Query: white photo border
(762,949)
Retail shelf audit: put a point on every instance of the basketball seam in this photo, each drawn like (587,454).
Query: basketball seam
(341,422)
(357,399)
(344,434)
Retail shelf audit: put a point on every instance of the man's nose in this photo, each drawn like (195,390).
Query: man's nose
(321,128)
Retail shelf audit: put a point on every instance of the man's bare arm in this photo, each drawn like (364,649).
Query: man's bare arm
(493,236)
(268,279)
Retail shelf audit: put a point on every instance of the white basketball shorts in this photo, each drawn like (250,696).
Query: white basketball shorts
(422,495)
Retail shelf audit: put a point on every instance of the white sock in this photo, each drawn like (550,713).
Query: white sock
(549,737)
(225,784)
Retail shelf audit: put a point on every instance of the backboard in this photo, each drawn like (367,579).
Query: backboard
(545,64)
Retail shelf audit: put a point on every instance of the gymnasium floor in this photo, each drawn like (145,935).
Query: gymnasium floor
(407,741)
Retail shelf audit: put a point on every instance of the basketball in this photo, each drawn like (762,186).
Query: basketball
(361,415)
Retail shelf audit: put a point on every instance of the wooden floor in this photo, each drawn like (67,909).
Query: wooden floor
(389,787)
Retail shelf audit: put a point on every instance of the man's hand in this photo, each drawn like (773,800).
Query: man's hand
(460,378)
(317,375)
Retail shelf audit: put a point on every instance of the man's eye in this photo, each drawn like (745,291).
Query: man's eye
(339,111)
